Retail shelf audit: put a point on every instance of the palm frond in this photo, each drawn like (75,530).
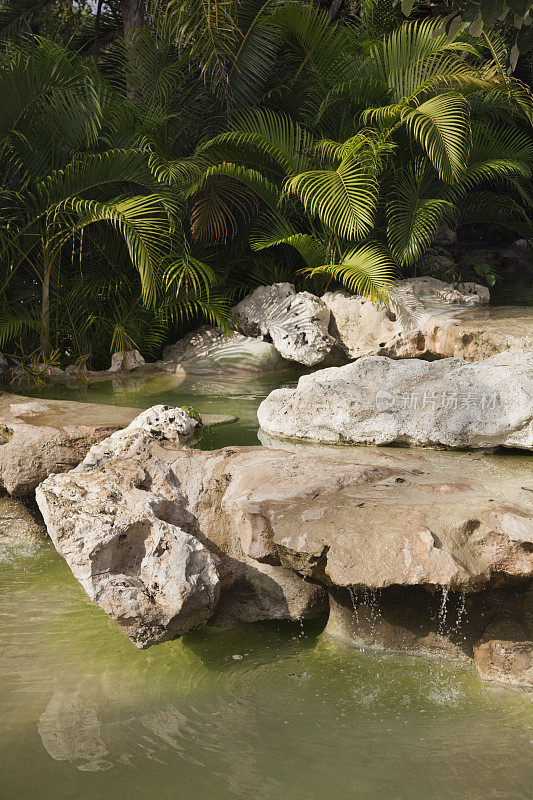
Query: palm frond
(344,199)
(367,269)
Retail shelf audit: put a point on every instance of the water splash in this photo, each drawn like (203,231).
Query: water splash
(443,611)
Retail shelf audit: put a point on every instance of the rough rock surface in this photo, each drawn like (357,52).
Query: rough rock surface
(108,519)
(375,400)
(126,361)
(473,334)
(210,350)
(38,439)
(296,323)
(362,328)
(30,452)
(280,526)
(129,532)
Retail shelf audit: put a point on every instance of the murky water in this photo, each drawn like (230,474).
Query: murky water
(236,394)
(259,712)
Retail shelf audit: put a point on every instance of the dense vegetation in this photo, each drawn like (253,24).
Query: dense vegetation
(152,172)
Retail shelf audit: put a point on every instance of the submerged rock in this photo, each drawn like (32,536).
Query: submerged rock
(295,323)
(210,350)
(447,403)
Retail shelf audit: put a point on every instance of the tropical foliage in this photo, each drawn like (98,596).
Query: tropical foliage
(147,181)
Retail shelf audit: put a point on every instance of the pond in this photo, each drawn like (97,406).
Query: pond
(262,711)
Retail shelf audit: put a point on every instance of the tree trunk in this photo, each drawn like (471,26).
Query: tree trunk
(96,47)
(132,19)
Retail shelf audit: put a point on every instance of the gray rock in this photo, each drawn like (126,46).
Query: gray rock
(29,451)
(211,350)
(126,361)
(296,323)
(375,400)
(445,236)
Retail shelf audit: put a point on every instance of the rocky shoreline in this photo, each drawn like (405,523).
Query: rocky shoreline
(398,548)
(165,538)
(276,327)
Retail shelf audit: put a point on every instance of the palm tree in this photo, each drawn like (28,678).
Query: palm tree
(390,141)
(74,205)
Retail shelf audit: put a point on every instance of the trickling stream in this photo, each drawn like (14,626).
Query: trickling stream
(262,711)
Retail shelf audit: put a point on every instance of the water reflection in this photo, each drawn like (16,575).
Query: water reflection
(69,731)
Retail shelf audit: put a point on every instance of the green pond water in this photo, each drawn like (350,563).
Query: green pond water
(259,712)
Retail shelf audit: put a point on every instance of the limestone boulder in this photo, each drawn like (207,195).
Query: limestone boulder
(473,334)
(362,328)
(126,361)
(109,519)
(142,525)
(447,403)
(295,323)
(211,350)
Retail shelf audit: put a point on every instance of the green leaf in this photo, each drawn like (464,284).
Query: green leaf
(524,39)
(471,11)
(413,218)
(407,7)
(441,127)
(518,7)
(344,199)
(490,11)
(476,27)
(272,229)
(368,269)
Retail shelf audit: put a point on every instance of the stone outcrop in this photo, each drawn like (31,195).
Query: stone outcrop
(375,400)
(295,323)
(30,452)
(473,334)
(210,350)
(126,361)
(269,532)
(403,330)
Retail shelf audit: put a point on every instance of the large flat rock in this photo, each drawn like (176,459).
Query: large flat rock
(477,333)
(376,400)
(39,437)
(283,526)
